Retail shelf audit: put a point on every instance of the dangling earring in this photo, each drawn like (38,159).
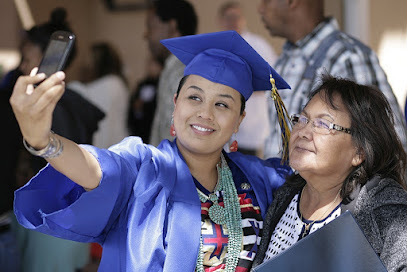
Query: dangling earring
(233,146)
(172,128)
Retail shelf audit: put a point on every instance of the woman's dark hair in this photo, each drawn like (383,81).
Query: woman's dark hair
(106,60)
(179,10)
(242,99)
(372,131)
(41,34)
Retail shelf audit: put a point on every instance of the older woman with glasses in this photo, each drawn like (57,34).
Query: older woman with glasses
(347,156)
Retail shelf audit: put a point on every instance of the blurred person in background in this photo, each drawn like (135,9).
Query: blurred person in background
(10,258)
(106,87)
(9,253)
(143,102)
(315,45)
(255,126)
(167,19)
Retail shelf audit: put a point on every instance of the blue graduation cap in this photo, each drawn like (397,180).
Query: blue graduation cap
(226,58)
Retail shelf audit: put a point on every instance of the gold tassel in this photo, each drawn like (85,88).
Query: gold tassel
(283,120)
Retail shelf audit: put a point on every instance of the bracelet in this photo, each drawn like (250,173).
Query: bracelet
(52,150)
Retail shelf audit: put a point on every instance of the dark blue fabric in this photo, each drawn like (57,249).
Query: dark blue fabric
(405,111)
(338,246)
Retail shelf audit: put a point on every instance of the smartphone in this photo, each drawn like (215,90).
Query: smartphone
(56,53)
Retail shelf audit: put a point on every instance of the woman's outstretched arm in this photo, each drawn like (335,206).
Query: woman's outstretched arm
(33,109)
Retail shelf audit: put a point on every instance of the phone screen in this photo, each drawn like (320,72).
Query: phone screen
(51,63)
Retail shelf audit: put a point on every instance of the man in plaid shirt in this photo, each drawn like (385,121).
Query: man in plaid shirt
(314,46)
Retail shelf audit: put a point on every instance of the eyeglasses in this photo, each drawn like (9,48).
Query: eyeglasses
(319,125)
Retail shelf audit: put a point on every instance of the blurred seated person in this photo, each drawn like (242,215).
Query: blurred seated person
(143,102)
(9,253)
(347,156)
(106,87)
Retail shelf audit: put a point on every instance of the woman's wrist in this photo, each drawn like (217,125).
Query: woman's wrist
(52,150)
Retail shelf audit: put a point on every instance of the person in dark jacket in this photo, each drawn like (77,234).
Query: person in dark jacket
(74,117)
(347,156)
(9,254)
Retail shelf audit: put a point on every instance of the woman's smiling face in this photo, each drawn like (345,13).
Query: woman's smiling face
(206,114)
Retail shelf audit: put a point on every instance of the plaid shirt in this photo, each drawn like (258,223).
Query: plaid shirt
(326,50)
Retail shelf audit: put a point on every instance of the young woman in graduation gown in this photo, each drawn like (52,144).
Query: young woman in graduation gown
(185,205)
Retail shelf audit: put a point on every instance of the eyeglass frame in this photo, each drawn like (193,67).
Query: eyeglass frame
(331,125)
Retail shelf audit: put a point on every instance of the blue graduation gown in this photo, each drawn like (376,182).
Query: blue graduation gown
(146,211)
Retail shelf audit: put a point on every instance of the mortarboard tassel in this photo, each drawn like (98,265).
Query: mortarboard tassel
(282,119)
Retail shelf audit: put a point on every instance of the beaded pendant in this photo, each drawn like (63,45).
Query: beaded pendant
(216,212)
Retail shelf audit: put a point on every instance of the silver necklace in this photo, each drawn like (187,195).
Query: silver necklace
(216,212)
(230,215)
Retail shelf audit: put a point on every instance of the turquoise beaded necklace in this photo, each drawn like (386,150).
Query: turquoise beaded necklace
(230,215)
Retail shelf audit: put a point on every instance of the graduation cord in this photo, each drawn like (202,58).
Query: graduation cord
(231,216)
(308,226)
